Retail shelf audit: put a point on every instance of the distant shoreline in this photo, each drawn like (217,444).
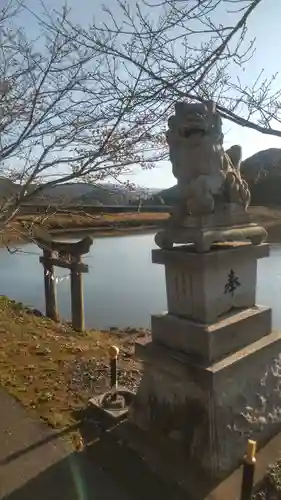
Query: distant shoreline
(107,231)
(73,224)
(120,224)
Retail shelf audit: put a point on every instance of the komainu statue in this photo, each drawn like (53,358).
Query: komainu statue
(211,196)
(208,177)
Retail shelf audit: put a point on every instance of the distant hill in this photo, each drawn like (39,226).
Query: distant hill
(81,193)
(164,197)
(262,171)
(102,194)
(7,188)
(262,164)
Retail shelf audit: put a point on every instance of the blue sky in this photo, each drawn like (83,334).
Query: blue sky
(264,25)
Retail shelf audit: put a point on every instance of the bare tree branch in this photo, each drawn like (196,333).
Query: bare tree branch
(66,114)
(191,55)
(91,102)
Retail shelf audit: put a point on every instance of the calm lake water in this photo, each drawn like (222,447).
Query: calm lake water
(123,288)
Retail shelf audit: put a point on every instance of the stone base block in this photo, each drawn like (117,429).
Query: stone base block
(203,287)
(208,412)
(212,342)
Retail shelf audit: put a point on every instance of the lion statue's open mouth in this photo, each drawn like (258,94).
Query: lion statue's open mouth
(189,132)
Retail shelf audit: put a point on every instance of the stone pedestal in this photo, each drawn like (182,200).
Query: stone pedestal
(229,223)
(212,370)
(211,342)
(209,411)
(203,238)
(202,287)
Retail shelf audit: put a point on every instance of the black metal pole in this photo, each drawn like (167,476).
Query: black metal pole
(113,352)
(248,471)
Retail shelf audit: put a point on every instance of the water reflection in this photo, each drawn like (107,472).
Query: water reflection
(122,288)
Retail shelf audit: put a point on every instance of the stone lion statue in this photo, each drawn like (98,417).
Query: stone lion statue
(208,177)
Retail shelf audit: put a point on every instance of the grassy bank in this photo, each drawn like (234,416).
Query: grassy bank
(53,370)
(111,224)
(98,224)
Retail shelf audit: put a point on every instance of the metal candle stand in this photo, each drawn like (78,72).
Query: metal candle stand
(114,398)
(113,352)
(116,401)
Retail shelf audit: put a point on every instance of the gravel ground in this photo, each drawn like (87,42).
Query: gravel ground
(93,375)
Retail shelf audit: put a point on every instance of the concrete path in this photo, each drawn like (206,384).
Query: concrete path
(36,465)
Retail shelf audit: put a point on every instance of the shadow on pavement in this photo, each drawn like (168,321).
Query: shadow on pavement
(123,465)
(73,478)
(37,464)
(54,436)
